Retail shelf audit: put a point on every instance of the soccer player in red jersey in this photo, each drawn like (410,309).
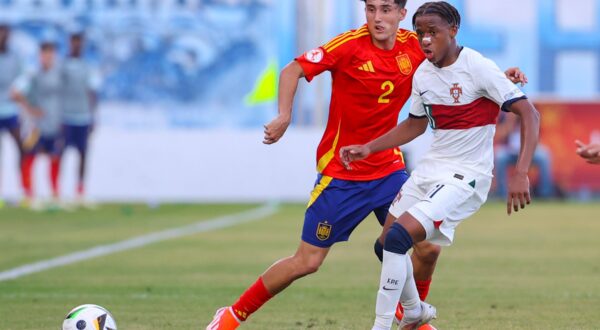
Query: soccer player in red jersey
(372,69)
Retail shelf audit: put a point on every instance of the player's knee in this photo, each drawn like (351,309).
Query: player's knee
(378,249)
(398,240)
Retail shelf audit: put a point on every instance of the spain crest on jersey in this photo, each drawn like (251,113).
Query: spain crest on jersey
(323,231)
(404,64)
(456,92)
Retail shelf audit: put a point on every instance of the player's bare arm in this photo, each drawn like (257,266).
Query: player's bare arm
(518,184)
(405,132)
(589,152)
(21,100)
(288,83)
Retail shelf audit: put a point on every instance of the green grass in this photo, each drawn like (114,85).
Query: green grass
(537,269)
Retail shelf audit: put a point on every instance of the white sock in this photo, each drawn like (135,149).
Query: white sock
(411,302)
(391,285)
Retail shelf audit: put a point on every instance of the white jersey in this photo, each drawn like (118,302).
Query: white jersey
(462,102)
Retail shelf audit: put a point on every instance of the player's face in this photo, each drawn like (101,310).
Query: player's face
(383,19)
(76,43)
(436,37)
(4,31)
(47,57)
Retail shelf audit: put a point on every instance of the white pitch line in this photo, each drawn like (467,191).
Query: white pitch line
(139,241)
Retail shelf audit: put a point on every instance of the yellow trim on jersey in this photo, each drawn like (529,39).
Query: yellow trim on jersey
(344,35)
(315,193)
(403,37)
(355,35)
(328,156)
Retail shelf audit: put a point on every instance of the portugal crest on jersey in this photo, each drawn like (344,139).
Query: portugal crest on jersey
(404,64)
(456,92)
(323,231)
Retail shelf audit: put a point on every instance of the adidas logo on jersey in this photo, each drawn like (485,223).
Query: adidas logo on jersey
(367,67)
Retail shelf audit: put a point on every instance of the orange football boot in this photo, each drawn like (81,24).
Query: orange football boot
(224,319)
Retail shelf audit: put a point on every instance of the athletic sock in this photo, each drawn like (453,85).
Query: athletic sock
(54,173)
(251,300)
(411,303)
(80,189)
(423,288)
(391,284)
(26,167)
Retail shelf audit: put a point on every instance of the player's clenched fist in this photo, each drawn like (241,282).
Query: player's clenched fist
(354,152)
(275,129)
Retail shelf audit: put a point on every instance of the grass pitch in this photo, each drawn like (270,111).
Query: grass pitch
(537,269)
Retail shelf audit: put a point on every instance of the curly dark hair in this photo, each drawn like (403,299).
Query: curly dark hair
(441,8)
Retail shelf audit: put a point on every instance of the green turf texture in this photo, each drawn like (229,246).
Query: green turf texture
(537,269)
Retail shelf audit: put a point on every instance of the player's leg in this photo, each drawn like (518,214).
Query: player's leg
(424,258)
(77,136)
(397,280)
(53,146)
(342,203)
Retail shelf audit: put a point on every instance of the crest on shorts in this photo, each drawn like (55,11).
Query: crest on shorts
(323,231)
(404,64)
(456,92)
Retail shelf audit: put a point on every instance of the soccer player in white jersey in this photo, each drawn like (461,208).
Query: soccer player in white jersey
(459,93)
(39,93)
(10,68)
(79,91)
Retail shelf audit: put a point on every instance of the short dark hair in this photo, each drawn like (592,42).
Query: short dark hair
(47,45)
(401,3)
(441,8)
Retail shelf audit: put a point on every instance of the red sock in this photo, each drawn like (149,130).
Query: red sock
(251,300)
(80,189)
(54,171)
(423,288)
(26,167)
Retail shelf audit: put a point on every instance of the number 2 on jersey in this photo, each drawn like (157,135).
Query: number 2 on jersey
(387,87)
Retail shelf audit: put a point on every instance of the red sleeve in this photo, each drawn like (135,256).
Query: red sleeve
(328,56)
(315,61)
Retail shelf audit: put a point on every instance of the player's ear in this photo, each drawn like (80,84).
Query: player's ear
(402,13)
(453,31)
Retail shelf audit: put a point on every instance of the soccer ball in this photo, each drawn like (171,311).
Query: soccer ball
(89,317)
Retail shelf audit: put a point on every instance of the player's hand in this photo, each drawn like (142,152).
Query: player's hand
(589,152)
(275,129)
(351,153)
(35,112)
(518,192)
(515,75)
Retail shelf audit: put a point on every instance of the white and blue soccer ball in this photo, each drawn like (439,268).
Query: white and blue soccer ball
(89,317)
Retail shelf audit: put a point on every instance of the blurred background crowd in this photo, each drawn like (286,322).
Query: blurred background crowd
(179,90)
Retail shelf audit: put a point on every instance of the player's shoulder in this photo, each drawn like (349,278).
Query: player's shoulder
(347,39)
(475,60)
(406,36)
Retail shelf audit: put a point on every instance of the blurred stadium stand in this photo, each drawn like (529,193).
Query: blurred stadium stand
(172,67)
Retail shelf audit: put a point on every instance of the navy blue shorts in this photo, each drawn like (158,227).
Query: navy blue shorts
(337,206)
(9,123)
(52,145)
(77,136)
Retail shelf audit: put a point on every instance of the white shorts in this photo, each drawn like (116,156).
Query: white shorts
(441,203)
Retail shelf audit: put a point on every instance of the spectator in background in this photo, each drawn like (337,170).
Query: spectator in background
(590,152)
(10,69)
(80,99)
(40,95)
(507,143)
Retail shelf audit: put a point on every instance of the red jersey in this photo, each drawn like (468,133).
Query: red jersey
(370,87)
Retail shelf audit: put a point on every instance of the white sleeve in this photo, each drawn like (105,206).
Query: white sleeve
(417,109)
(23,83)
(495,85)
(94,80)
